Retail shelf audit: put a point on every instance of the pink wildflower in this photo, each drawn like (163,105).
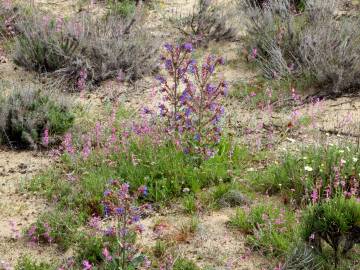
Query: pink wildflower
(254,53)
(312,237)
(314,195)
(68,144)
(7,4)
(59,24)
(46,137)
(106,254)
(87,148)
(86,265)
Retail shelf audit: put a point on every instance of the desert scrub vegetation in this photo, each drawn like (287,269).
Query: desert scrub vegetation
(208,22)
(269,229)
(67,49)
(123,8)
(334,222)
(111,173)
(31,117)
(7,16)
(314,174)
(309,43)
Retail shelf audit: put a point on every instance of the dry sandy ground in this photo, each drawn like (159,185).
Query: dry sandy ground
(18,210)
(213,244)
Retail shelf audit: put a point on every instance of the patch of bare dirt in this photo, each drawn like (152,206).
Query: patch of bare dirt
(212,244)
(19,210)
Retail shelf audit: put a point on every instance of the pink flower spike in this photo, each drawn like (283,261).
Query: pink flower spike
(46,137)
(314,195)
(106,254)
(254,53)
(86,265)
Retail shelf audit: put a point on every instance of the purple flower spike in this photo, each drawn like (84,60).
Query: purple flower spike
(135,219)
(211,69)
(120,210)
(188,47)
(168,64)
(168,47)
(221,61)
(210,88)
(161,79)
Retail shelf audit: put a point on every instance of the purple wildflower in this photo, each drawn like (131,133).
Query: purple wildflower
(188,47)
(168,64)
(161,79)
(168,47)
(143,190)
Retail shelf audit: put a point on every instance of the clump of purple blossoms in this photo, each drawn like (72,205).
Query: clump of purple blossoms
(192,99)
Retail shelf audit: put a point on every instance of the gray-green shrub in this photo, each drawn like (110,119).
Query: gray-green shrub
(312,44)
(208,22)
(27,111)
(93,49)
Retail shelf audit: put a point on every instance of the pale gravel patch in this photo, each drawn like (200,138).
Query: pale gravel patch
(213,244)
(20,208)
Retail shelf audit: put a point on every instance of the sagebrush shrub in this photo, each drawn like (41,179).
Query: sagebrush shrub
(43,44)
(208,22)
(330,51)
(272,36)
(298,4)
(312,44)
(86,50)
(118,46)
(332,221)
(27,113)
(8,14)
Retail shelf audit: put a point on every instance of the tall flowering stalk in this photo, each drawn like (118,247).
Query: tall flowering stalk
(121,204)
(192,98)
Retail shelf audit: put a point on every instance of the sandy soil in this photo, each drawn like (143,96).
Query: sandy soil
(18,210)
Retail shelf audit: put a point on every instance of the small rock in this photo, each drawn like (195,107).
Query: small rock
(22,166)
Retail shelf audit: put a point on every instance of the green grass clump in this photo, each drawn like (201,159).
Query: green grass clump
(297,175)
(26,263)
(189,204)
(56,227)
(124,8)
(269,229)
(166,171)
(185,264)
